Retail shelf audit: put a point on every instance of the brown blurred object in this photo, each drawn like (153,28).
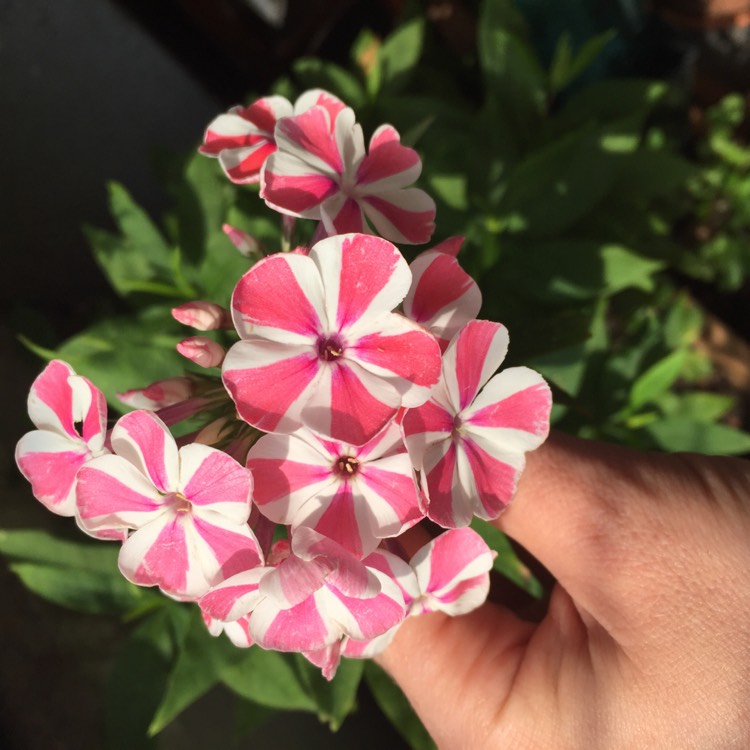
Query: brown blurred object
(703,14)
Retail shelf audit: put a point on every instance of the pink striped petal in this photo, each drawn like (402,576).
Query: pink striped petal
(309,136)
(158,395)
(242,165)
(211,479)
(402,352)
(363,276)
(293,581)
(472,357)
(327,659)
(252,372)
(299,628)
(350,404)
(450,485)
(516,399)
(295,316)
(443,297)
(406,216)
(453,572)
(50,462)
(426,426)
(234,597)
(158,555)
(341,215)
(449,246)
(113,492)
(233,549)
(238,631)
(397,570)
(289,187)
(388,165)
(319,98)
(144,440)
(288,471)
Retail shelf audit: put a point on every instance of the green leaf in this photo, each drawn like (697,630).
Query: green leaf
(399,54)
(335,699)
(82,591)
(396,707)
(251,716)
(681,433)
(506,563)
(566,66)
(314,73)
(196,670)
(139,254)
(127,352)
(559,184)
(137,682)
(622,269)
(658,379)
(268,678)
(514,79)
(32,545)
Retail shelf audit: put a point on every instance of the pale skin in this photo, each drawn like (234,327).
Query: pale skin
(646,640)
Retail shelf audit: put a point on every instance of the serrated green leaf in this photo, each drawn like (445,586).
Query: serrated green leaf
(658,379)
(268,678)
(399,54)
(335,699)
(680,433)
(394,704)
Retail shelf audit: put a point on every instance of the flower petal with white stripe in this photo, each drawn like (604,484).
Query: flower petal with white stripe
(443,297)
(243,138)
(327,352)
(71,416)
(187,508)
(469,446)
(321,171)
(355,495)
(453,573)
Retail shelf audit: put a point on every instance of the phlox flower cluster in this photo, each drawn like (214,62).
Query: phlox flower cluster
(359,399)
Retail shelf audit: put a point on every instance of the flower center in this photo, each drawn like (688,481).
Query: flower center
(346,466)
(330,348)
(180,504)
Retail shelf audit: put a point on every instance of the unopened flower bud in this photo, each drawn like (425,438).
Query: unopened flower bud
(159,394)
(244,242)
(203,316)
(213,432)
(203,351)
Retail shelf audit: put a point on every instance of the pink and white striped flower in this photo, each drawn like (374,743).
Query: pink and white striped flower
(243,138)
(442,297)
(316,596)
(188,508)
(470,446)
(353,495)
(453,573)
(71,416)
(320,171)
(320,346)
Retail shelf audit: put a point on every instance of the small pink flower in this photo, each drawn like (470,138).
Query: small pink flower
(470,446)
(452,573)
(71,416)
(243,138)
(442,297)
(188,508)
(320,171)
(316,596)
(353,495)
(320,346)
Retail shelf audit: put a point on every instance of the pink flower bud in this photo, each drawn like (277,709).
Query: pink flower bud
(212,432)
(203,351)
(203,316)
(159,394)
(244,242)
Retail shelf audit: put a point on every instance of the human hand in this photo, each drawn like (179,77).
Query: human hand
(646,640)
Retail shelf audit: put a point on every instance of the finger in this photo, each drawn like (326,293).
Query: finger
(581,510)
(457,671)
